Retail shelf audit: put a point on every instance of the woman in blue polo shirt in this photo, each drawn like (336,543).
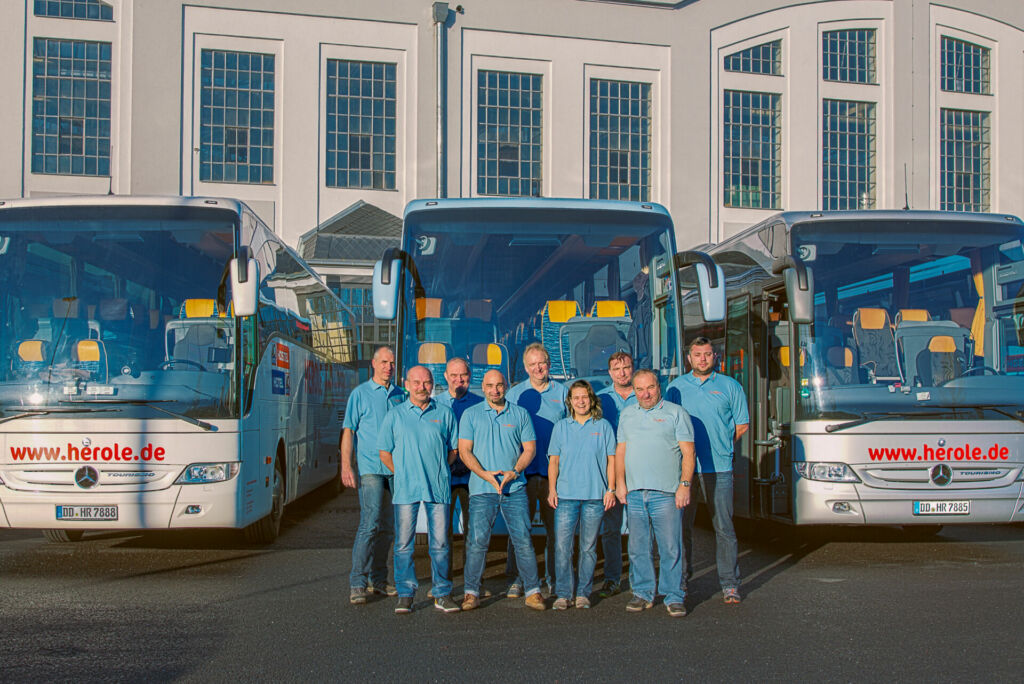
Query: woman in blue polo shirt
(579,469)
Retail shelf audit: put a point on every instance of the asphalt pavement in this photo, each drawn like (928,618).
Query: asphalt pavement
(821,605)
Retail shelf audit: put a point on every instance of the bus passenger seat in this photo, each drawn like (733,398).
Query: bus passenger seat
(940,361)
(916,315)
(434,357)
(840,368)
(553,316)
(197,343)
(876,345)
(32,357)
(90,356)
(591,354)
(65,307)
(428,307)
(480,309)
(487,356)
(610,308)
(198,308)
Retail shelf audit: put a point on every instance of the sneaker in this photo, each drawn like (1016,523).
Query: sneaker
(582,602)
(560,604)
(388,590)
(637,604)
(358,595)
(404,604)
(515,590)
(676,610)
(536,602)
(470,601)
(608,589)
(731,595)
(445,604)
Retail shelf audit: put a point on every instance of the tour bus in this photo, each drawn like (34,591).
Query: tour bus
(882,355)
(483,278)
(165,362)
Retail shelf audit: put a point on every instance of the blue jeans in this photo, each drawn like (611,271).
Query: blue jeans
(440,550)
(717,489)
(375,533)
(570,514)
(654,514)
(537,493)
(483,509)
(611,543)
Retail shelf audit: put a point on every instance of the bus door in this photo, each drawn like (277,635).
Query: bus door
(738,366)
(773,414)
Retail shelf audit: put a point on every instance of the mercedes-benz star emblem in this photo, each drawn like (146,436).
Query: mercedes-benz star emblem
(941,474)
(86,477)
(86,441)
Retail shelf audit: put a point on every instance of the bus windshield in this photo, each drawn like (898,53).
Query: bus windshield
(112,310)
(915,317)
(582,283)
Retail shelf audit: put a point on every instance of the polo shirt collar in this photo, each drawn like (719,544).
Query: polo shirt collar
(697,381)
(657,406)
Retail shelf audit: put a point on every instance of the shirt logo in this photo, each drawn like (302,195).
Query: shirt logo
(508,425)
(658,420)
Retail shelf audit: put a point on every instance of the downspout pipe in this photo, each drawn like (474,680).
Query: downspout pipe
(440,16)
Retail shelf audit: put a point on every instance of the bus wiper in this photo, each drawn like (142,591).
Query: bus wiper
(872,416)
(55,409)
(152,403)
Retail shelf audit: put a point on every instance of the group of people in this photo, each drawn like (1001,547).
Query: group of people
(582,458)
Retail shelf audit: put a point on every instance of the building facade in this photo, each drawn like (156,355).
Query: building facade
(725,111)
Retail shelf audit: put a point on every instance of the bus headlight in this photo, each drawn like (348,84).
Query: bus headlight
(826,472)
(204,473)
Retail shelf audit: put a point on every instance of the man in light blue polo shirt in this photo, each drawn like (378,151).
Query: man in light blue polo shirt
(654,461)
(361,467)
(418,441)
(614,399)
(544,399)
(718,408)
(497,443)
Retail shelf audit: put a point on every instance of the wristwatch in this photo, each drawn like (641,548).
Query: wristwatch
(684,483)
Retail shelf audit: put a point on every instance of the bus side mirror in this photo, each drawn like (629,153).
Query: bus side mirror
(710,283)
(244,283)
(799,288)
(711,287)
(386,276)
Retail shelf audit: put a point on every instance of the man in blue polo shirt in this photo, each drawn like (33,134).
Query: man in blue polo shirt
(544,399)
(654,461)
(418,441)
(497,443)
(718,408)
(361,467)
(614,399)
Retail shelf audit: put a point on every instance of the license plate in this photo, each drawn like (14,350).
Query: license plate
(942,508)
(86,512)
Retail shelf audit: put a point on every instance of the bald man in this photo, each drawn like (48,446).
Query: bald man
(497,442)
(418,443)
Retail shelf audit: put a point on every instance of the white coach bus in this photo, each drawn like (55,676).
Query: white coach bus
(882,353)
(165,362)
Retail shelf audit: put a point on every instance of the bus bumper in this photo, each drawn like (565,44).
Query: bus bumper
(832,503)
(179,506)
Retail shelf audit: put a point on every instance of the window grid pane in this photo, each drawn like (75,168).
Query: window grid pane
(236,117)
(759,59)
(509,118)
(752,159)
(74,9)
(848,56)
(965,178)
(361,124)
(620,140)
(965,67)
(70,107)
(848,154)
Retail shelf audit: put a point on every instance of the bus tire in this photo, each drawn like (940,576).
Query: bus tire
(921,531)
(266,530)
(63,536)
